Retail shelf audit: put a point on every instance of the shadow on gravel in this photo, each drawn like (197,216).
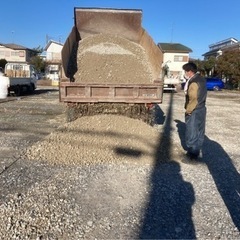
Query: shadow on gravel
(168,214)
(159,117)
(12,96)
(39,91)
(225,176)
(128,152)
(223,171)
(45,90)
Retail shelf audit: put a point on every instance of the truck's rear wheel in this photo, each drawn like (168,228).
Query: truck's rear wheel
(18,90)
(31,88)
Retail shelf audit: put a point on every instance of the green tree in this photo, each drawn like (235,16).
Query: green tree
(206,67)
(209,66)
(39,49)
(3,62)
(38,63)
(228,64)
(200,66)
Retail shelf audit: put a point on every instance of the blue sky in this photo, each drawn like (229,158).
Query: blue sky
(195,24)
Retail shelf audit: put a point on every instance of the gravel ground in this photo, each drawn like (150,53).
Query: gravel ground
(108,177)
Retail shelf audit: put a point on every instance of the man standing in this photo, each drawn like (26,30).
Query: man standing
(195,106)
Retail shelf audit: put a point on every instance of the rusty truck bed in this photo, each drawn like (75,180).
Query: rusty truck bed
(122,93)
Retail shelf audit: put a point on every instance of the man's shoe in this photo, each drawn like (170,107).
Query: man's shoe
(190,159)
(192,156)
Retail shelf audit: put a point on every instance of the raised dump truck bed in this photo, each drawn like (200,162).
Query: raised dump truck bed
(109,58)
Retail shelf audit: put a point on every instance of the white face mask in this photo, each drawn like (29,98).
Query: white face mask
(186,76)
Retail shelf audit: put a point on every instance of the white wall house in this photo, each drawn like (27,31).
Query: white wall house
(53,51)
(16,53)
(52,56)
(175,55)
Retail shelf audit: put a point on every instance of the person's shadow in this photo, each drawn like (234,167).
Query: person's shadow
(159,117)
(223,171)
(168,212)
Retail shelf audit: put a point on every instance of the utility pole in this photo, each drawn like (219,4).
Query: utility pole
(59,38)
(171,33)
(12,36)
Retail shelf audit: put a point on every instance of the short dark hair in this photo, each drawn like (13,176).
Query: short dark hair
(190,66)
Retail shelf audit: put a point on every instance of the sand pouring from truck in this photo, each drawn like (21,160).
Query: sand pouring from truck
(111,65)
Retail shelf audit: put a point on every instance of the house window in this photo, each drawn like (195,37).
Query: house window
(15,54)
(2,53)
(180,58)
(7,54)
(21,53)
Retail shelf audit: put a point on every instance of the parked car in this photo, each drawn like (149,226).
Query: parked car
(214,84)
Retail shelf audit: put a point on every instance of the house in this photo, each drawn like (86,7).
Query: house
(216,49)
(175,55)
(16,53)
(52,56)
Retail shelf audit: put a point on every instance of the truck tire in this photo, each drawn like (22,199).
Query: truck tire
(31,88)
(18,90)
(216,88)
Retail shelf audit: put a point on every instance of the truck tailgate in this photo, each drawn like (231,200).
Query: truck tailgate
(124,93)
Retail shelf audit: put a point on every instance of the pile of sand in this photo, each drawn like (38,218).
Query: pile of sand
(105,58)
(98,139)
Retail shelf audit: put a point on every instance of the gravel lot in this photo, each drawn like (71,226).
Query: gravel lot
(108,177)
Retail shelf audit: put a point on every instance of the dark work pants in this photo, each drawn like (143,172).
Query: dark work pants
(195,130)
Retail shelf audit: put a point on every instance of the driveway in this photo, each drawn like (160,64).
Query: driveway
(134,185)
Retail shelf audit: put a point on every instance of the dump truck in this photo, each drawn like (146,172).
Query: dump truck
(22,77)
(111,65)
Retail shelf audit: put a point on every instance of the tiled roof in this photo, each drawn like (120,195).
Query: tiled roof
(211,53)
(15,46)
(215,51)
(174,47)
(50,42)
